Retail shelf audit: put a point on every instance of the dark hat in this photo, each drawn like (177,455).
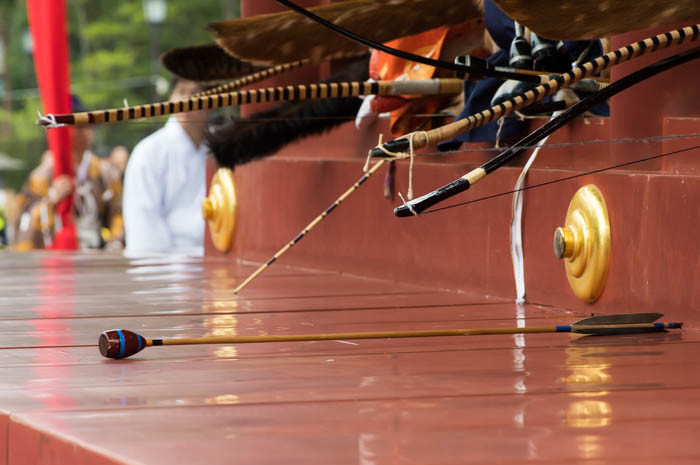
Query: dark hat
(206,63)
(77,104)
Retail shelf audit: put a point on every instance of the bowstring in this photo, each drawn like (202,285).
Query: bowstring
(567,178)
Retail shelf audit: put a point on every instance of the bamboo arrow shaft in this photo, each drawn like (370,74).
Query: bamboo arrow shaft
(402,334)
(122,343)
(255,77)
(449,86)
(310,226)
(545,76)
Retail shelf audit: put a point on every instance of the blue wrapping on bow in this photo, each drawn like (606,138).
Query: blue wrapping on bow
(477,95)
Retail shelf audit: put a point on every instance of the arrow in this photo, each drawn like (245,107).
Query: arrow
(203,101)
(121,343)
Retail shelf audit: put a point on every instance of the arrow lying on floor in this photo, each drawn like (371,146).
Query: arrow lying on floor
(121,343)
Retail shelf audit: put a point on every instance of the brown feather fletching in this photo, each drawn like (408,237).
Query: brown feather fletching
(283,37)
(589,19)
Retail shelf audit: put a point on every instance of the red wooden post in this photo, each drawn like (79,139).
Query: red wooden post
(47,20)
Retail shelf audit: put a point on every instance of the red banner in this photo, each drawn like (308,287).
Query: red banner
(47,21)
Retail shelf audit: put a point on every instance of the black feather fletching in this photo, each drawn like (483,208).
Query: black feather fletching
(262,134)
(206,63)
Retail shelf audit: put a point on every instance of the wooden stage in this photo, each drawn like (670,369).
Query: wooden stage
(542,398)
(550,398)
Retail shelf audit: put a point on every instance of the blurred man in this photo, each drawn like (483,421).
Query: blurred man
(164,184)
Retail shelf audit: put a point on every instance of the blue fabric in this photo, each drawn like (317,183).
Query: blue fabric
(77,104)
(477,95)
(500,26)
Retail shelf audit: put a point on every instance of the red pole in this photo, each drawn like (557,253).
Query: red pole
(47,21)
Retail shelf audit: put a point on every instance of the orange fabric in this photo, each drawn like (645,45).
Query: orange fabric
(427,44)
(383,66)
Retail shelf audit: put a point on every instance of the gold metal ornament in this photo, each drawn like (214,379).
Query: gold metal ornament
(219,209)
(584,243)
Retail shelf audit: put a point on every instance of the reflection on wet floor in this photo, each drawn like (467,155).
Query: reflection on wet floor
(542,398)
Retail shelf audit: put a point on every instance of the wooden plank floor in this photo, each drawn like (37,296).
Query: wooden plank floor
(549,398)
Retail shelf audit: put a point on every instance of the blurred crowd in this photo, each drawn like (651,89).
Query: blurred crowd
(28,217)
(160,193)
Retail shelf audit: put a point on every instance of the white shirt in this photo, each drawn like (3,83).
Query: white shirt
(164,186)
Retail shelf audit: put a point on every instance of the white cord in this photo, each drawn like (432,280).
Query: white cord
(48,121)
(516,230)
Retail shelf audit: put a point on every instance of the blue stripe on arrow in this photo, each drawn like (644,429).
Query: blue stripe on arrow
(122,343)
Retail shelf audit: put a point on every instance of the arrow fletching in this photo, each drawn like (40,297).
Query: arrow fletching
(615,324)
